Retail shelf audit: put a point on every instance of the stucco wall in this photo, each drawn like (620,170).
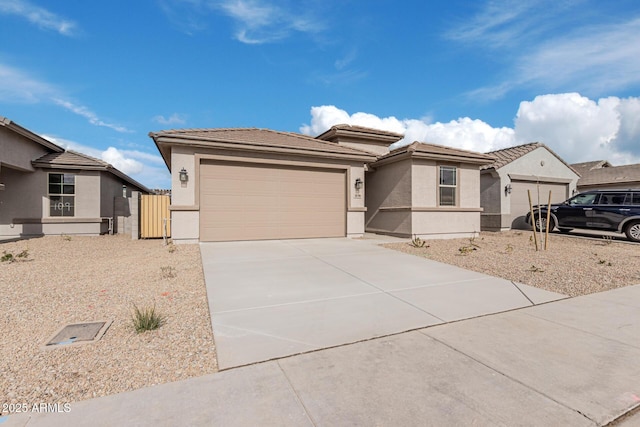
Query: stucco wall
(389,188)
(24,204)
(445,224)
(18,151)
(185,196)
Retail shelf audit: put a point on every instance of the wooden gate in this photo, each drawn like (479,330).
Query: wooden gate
(155,218)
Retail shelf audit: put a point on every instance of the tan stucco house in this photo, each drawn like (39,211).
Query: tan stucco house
(252,184)
(505,183)
(600,174)
(45,189)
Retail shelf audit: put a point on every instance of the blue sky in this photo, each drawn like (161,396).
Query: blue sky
(482,75)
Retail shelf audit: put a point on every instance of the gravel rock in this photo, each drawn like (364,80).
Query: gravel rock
(570,265)
(82,279)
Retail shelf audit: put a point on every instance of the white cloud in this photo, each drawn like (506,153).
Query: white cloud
(88,114)
(174,119)
(18,86)
(463,133)
(260,21)
(580,129)
(117,159)
(550,46)
(38,16)
(256,21)
(577,128)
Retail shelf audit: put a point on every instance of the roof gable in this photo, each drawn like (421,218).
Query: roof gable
(507,155)
(439,152)
(13,126)
(74,160)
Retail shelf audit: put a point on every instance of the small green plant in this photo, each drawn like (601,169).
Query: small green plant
(66,237)
(171,247)
(417,242)
(146,319)
(604,262)
(168,272)
(607,240)
(509,248)
(535,269)
(11,257)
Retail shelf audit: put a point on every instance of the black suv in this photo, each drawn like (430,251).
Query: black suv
(608,210)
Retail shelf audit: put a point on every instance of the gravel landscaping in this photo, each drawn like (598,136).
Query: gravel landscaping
(70,279)
(570,265)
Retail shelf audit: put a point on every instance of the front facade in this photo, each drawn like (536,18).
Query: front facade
(505,185)
(47,190)
(258,184)
(255,184)
(425,190)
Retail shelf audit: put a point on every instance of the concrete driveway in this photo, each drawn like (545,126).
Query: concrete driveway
(270,299)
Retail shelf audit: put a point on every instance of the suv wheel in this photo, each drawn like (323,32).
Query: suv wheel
(541,224)
(632,230)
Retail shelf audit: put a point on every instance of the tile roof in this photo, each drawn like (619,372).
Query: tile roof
(508,155)
(611,175)
(441,152)
(361,130)
(257,137)
(70,159)
(587,166)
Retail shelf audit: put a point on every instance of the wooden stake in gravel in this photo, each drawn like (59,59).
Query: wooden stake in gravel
(533,220)
(546,233)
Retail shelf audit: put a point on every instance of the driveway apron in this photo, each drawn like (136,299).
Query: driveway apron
(271,299)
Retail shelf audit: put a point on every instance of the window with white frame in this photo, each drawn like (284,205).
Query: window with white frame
(62,194)
(447,186)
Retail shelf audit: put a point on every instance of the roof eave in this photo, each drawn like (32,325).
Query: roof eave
(9,124)
(214,143)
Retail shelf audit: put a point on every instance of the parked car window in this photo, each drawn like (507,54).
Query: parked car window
(612,199)
(583,199)
(635,199)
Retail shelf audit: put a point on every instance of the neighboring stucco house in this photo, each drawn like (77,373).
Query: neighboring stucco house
(504,184)
(600,174)
(45,189)
(251,184)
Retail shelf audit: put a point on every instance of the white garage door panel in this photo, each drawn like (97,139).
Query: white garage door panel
(253,202)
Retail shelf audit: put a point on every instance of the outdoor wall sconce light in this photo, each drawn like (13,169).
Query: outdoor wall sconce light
(358,183)
(507,189)
(184,176)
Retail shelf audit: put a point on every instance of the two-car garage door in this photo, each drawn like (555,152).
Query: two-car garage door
(249,201)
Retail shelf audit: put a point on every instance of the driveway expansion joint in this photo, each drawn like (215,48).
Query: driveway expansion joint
(298,397)
(525,295)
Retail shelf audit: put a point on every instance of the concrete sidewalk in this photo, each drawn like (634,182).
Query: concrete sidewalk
(571,362)
(271,299)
